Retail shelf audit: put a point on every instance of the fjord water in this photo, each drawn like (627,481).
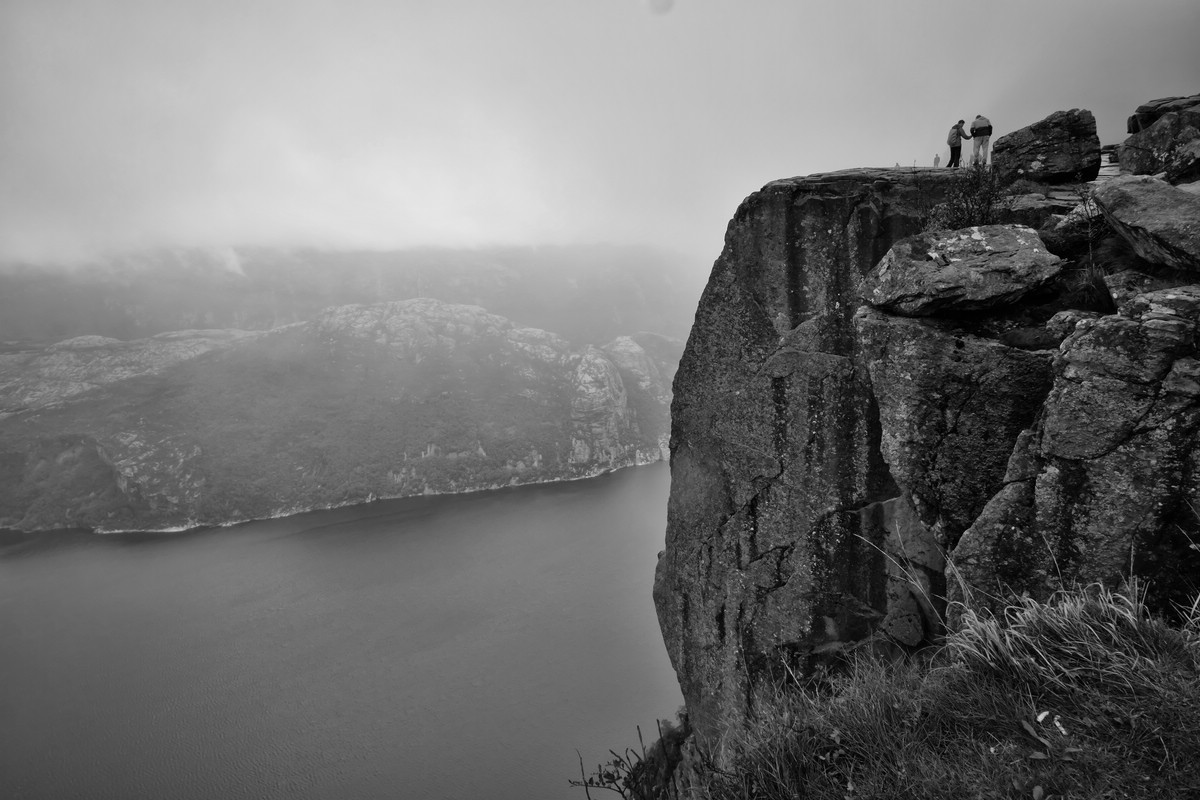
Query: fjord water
(439,647)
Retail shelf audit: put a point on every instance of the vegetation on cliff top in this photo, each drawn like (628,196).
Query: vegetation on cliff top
(1085,696)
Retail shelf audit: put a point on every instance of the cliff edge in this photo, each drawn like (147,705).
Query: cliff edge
(872,420)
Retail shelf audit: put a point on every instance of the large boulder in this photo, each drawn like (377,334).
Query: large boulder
(1061,148)
(1171,144)
(954,272)
(1160,222)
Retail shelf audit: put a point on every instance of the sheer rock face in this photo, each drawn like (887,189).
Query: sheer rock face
(975,269)
(1061,148)
(830,459)
(773,533)
(1161,222)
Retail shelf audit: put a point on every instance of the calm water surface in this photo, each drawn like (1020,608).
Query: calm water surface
(446,647)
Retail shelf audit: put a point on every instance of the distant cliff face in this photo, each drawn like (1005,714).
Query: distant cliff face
(387,400)
(869,422)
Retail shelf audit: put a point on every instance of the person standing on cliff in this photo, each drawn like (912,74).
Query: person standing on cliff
(957,134)
(981,133)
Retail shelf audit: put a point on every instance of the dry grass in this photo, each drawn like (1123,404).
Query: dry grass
(1085,696)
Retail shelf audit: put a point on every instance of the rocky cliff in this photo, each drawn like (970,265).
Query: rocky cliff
(362,402)
(871,419)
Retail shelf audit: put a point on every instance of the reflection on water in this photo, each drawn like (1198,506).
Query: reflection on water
(445,647)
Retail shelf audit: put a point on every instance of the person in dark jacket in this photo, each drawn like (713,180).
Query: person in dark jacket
(981,133)
(957,134)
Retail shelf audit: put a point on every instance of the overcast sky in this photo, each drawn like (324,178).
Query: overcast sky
(373,123)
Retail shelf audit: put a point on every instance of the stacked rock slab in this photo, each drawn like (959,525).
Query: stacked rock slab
(1061,148)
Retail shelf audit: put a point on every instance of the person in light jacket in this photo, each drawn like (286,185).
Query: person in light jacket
(981,133)
(957,134)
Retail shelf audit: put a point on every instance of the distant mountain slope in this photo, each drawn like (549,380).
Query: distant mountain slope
(588,295)
(364,401)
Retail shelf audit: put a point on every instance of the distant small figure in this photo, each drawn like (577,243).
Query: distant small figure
(981,133)
(957,134)
(937,159)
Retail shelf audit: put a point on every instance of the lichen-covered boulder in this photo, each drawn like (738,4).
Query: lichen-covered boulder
(954,272)
(1160,222)
(1061,148)
(1171,145)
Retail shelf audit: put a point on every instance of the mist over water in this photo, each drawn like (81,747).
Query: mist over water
(445,647)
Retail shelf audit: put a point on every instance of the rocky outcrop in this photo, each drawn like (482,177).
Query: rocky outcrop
(363,402)
(1147,114)
(976,269)
(864,426)
(1160,222)
(1169,144)
(1061,148)
(1106,484)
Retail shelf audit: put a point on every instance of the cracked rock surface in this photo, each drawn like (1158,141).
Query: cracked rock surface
(974,269)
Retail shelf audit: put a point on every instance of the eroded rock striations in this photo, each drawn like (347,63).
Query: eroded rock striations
(869,420)
(363,402)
